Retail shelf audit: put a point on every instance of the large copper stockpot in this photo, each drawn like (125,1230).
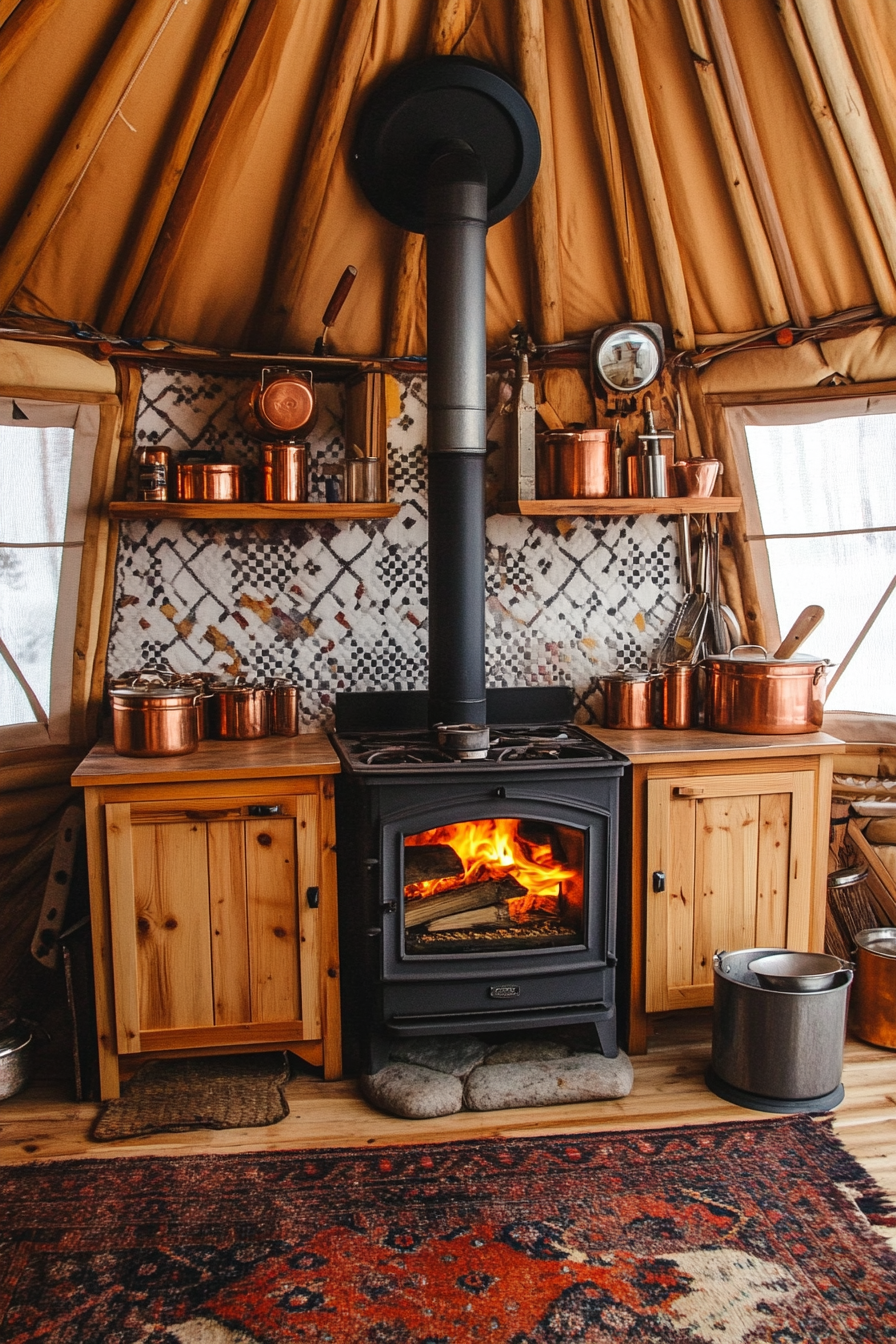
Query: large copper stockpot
(749,692)
(873,1007)
(240,710)
(628,699)
(207,482)
(154,720)
(280,404)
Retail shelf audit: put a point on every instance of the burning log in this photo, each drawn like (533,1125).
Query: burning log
(454,902)
(487,916)
(425,863)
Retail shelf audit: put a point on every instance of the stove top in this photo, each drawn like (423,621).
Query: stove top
(540,747)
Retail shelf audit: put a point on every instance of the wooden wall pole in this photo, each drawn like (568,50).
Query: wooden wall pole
(145,307)
(152,217)
(737,180)
(848,102)
(449,21)
(20,21)
(877,69)
(854,200)
(139,34)
(748,140)
(329,122)
(621,36)
(527,19)
(607,137)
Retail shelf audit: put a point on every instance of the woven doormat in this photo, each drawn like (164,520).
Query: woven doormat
(169,1095)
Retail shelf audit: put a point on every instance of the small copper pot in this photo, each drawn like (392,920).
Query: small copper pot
(284,473)
(697,476)
(284,698)
(241,711)
(206,482)
(154,720)
(628,699)
(572,464)
(280,404)
(676,707)
(873,1006)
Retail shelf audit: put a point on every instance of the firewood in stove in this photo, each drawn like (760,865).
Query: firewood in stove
(487,916)
(492,892)
(425,863)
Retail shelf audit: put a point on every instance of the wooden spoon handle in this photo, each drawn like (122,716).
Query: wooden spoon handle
(801,629)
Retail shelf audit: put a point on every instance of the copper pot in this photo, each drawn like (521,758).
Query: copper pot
(628,699)
(284,473)
(873,1006)
(573,464)
(280,404)
(677,698)
(154,720)
(749,692)
(208,481)
(284,702)
(697,476)
(241,711)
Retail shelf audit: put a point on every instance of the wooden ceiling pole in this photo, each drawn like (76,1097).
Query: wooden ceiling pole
(881,77)
(857,208)
(152,214)
(617,187)
(448,25)
(745,129)
(138,36)
(349,50)
(848,103)
(20,21)
(145,307)
(621,37)
(527,17)
(737,180)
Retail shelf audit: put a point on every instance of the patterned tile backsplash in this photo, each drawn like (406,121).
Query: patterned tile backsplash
(343,605)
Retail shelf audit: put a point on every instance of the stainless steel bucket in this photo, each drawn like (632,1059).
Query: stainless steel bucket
(773,1050)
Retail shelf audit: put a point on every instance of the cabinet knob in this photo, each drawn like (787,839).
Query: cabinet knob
(312,896)
(659,881)
(264,839)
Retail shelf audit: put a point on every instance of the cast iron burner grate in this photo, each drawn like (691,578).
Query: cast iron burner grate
(540,746)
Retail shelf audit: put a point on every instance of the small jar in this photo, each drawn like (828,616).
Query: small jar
(152,475)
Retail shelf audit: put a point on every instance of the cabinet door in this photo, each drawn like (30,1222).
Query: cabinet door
(736,856)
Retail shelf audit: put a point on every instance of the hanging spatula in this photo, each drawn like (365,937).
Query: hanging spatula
(805,623)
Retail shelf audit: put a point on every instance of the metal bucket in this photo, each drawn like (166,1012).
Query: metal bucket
(874,1001)
(773,1050)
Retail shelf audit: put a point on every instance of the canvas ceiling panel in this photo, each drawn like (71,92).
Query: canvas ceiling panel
(593,284)
(75,268)
(43,90)
(824,251)
(219,273)
(720,285)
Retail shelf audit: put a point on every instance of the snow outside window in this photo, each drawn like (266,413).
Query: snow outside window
(829,468)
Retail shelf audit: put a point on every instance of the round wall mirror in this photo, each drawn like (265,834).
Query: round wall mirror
(627,357)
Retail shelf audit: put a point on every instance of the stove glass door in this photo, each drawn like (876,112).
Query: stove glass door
(494,885)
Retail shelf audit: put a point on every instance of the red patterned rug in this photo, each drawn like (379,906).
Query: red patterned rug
(736,1234)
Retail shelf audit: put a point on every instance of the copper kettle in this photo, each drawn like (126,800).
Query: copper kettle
(279,405)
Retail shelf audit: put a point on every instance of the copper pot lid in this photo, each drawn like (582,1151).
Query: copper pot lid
(285,404)
(752,658)
(628,676)
(147,694)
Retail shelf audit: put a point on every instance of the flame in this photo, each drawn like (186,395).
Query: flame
(493,849)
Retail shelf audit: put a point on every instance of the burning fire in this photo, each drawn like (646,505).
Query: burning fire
(493,849)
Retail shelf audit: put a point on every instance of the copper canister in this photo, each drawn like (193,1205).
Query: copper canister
(241,711)
(284,707)
(281,403)
(152,477)
(873,1006)
(676,699)
(207,482)
(628,699)
(546,465)
(583,464)
(284,472)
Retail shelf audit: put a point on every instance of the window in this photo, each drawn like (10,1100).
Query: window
(827,469)
(46,453)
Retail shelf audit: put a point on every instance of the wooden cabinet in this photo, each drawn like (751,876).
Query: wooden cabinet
(213,902)
(728,847)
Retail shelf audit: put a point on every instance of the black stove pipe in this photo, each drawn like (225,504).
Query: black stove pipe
(456,210)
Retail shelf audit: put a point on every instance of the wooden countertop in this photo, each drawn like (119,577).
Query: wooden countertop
(266,757)
(647,746)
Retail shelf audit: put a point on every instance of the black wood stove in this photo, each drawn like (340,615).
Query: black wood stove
(476,892)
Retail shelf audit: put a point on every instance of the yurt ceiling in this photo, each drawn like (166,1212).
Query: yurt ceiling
(181,169)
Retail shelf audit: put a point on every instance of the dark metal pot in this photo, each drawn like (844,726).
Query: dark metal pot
(16,1055)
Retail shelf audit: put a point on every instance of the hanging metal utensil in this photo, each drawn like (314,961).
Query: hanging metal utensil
(720,636)
(334,307)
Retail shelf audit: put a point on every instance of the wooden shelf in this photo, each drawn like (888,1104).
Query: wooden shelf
(263,512)
(618,508)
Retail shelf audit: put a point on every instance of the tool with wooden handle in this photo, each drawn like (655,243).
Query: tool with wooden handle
(334,307)
(805,623)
